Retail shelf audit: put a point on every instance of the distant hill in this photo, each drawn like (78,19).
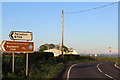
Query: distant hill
(107,55)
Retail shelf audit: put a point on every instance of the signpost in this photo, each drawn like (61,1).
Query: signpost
(12,62)
(18,46)
(26,64)
(18,35)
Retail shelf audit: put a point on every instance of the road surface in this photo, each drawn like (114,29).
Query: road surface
(103,70)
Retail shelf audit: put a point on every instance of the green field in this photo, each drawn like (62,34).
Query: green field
(116,60)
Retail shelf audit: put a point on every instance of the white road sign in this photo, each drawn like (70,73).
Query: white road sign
(17,35)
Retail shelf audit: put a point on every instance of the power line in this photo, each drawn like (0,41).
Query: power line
(91,9)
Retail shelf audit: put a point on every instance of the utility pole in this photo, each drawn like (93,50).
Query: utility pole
(62,33)
(59,48)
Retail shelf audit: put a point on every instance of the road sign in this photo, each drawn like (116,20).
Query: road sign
(17,46)
(18,35)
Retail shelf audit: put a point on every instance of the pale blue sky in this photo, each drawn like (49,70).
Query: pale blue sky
(93,31)
(60,0)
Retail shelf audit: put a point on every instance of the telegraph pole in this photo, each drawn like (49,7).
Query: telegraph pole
(62,33)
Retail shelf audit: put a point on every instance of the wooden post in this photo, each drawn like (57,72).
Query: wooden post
(26,64)
(3,63)
(12,62)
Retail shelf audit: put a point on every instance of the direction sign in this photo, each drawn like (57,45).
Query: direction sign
(17,46)
(18,35)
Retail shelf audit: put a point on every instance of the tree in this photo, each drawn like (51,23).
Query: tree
(42,48)
(51,46)
(57,47)
(65,49)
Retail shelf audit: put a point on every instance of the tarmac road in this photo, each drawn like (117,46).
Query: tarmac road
(102,70)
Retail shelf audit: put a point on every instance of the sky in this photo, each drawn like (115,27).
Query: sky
(90,32)
(59,0)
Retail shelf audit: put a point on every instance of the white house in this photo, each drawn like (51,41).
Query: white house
(73,52)
(58,52)
(55,51)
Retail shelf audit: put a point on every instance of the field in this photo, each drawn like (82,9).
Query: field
(116,60)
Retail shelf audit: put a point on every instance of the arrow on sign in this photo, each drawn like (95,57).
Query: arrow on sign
(10,35)
(2,46)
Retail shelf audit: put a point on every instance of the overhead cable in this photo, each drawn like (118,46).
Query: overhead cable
(91,9)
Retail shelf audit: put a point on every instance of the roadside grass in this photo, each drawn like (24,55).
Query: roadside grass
(116,60)
(46,72)
(85,60)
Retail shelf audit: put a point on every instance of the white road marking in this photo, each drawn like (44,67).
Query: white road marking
(97,65)
(116,66)
(99,69)
(103,72)
(68,73)
(109,76)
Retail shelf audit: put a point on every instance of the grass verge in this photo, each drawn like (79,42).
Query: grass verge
(116,60)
